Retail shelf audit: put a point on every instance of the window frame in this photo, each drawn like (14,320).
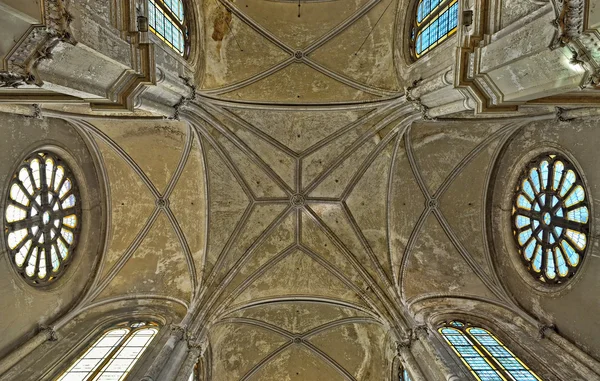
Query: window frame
(482,350)
(94,339)
(182,25)
(417,27)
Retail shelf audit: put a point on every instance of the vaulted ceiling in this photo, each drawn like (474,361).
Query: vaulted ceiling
(303,240)
(287,51)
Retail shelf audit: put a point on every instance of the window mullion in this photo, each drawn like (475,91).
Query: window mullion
(111,355)
(169,13)
(499,367)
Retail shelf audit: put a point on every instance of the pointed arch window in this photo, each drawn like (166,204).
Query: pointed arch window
(113,355)
(166,19)
(434,22)
(404,375)
(484,355)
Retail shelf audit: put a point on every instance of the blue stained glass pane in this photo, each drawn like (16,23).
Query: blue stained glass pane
(577,238)
(558,172)
(560,261)
(535,224)
(568,182)
(550,269)
(558,230)
(406,375)
(522,221)
(575,197)
(535,179)
(572,255)
(528,189)
(437,28)
(524,236)
(551,239)
(522,202)
(560,213)
(164,25)
(580,215)
(545,170)
(433,31)
(529,249)
(420,12)
(536,264)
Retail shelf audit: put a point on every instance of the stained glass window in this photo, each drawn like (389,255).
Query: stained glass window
(113,355)
(166,19)
(550,218)
(404,375)
(43,217)
(435,21)
(484,355)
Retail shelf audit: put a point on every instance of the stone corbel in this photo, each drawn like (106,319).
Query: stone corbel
(38,43)
(416,101)
(50,332)
(568,22)
(184,101)
(544,329)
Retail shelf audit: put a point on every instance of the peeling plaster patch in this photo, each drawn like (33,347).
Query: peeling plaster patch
(157,267)
(435,266)
(299,130)
(438,148)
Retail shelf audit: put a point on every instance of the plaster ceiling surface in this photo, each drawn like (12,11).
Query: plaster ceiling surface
(283,51)
(301,239)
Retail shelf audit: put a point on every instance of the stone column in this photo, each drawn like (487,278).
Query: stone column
(422,334)
(45,334)
(409,362)
(193,354)
(177,334)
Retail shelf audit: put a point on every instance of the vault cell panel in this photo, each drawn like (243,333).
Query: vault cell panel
(298,274)
(407,204)
(233,50)
(297,363)
(131,204)
(368,203)
(188,203)
(227,204)
(237,347)
(373,62)
(462,205)
(298,83)
(298,317)
(436,267)
(298,27)
(438,148)
(359,348)
(155,146)
(299,130)
(276,242)
(157,267)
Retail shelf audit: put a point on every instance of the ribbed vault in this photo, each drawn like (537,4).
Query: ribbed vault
(301,241)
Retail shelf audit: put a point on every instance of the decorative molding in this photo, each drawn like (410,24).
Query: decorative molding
(569,21)
(178,331)
(14,80)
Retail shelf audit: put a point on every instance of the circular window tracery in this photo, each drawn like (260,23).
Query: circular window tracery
(42,218)
(550,218)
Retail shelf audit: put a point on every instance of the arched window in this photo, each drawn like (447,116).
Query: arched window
(484,355)
(434,21)
(404,375)
(166,19)
(550,218)
(113,355)
(43,217)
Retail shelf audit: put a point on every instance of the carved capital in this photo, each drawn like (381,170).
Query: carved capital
(50,332)
(14,80)
(569,21)
(544,329)
(178,331)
